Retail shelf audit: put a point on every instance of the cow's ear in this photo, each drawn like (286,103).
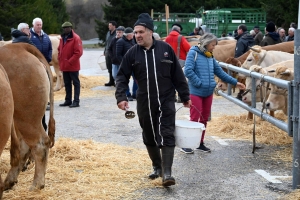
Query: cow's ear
(286,72)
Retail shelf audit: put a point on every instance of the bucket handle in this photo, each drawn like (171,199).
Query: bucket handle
(99,58)
(195,109)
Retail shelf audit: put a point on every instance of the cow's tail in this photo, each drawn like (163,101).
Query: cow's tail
(51,124)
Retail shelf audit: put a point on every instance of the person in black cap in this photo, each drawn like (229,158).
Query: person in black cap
(122,46)
(258,35)
(157,71)
(271,36)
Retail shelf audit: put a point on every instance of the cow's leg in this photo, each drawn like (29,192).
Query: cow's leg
(59,82)
(16,164)
(40,153)
(250,115)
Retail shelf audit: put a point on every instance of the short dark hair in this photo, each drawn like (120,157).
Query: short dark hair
(243,27)
(114,23)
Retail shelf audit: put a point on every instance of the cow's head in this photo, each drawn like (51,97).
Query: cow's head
(254,58)
(278,96)
(248,92)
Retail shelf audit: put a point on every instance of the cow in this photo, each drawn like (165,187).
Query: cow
(54,62)
(31,82)
(6,115)
(264,58)
(277,99)
(285,47)
(262,90)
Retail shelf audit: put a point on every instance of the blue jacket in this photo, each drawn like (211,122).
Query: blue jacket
(43,44)
(200,73)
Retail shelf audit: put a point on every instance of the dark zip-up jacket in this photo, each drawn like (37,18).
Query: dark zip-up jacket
(19,36)
(43,44)
(157,72)
(244,41)
(112,51)
(122,46)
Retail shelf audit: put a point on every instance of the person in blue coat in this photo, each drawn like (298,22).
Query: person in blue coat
(200,69)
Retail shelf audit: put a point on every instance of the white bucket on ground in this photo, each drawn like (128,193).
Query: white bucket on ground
(102,64)
(188,133)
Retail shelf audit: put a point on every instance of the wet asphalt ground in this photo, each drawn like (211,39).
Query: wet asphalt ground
(230,171)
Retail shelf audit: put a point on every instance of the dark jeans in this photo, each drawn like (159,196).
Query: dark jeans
(69,78)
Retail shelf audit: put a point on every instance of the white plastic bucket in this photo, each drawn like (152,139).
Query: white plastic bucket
(188,133)
(102,64)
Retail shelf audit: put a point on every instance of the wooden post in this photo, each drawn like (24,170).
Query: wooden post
(167,18)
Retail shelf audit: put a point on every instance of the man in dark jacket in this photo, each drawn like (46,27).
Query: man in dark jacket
(69,52)
(244,40)
(112,51)
(40,39)
(22,34)
(112,25)
(271,37)
(157,72)
(123,45)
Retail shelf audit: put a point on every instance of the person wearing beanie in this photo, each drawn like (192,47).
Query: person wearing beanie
(111,33)
(112,51)
(69,52)
(271,36)
(122,46)
(157,71)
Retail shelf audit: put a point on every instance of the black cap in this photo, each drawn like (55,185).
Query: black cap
(145,20)
(256,27)
(178,26)
(120,28)
(128,30)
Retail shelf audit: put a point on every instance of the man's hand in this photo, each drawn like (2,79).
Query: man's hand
(241,86)
(187,104)
(123,105)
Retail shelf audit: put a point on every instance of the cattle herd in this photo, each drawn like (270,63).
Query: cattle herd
(26,86)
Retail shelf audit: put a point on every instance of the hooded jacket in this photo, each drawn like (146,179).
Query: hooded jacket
(172,40)
(244,41)
(201,73)
(270,39)
(70,52)
(19,36)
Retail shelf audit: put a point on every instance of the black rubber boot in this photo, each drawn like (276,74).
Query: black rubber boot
(154,154)
(167,161)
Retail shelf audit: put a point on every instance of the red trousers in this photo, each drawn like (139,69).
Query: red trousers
(200,110)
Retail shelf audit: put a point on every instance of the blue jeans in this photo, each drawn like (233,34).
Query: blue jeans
(115,69)
(134,88)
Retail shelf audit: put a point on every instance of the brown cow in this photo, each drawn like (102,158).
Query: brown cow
(278,96)
(27,71)
(6,114)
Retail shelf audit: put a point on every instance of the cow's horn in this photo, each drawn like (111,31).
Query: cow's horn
(287,72)
(256,50)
